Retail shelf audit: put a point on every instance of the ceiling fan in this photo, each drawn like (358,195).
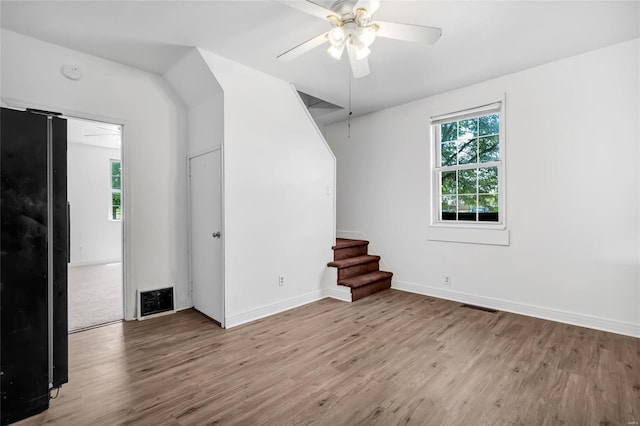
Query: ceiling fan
(107,131)
(353,29)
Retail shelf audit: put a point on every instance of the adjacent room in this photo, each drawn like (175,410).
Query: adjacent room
(320,212)
(95,233)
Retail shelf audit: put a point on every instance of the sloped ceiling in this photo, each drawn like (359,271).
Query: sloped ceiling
(481,40)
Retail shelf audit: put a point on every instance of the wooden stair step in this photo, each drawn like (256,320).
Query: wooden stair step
(346,243)
(366,279)
(353,261)
(357,269)
(346,248)
(358,293)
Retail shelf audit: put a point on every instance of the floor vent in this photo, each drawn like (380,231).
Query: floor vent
(152,303)
(479,308)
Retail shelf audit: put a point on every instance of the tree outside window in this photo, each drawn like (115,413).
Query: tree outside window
(116,190)
(468,167)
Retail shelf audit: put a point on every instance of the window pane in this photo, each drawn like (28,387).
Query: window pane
(488,208)
(469,195)
(468,151)
(116,210)
(489,217)
(488,203)
(448,183)
(448,153)
(467,207)
(467,182)
(115,175)
(489,124)
(449,131)
(489,149)
(449,207)
(467,203)
(468,129)
(488,180)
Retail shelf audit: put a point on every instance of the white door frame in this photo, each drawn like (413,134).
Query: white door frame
(125,184)
(222,227)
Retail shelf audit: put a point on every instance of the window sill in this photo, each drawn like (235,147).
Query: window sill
(494,237)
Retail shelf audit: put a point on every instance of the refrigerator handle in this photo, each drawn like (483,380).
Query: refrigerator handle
(68,232)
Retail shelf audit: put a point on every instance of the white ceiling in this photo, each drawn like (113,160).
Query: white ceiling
(481,40)
(94,133)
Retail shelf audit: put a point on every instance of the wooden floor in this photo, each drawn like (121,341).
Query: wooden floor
(392,358)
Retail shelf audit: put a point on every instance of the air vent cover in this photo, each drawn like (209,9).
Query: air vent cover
(155,302)
(479,308)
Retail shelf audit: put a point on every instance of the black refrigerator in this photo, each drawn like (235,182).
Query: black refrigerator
(33,261)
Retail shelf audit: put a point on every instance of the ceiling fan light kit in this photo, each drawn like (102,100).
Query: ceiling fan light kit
(336,51)
(337,36)
(353,29)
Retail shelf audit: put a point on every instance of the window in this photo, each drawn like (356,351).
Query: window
(468,169)
(116,191)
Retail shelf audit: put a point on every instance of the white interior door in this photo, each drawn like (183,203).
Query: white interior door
(206,238)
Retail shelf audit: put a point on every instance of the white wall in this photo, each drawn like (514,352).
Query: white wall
(206,125)
(154,148)
(279,178)
(572,135)
(94,237)
(203,97)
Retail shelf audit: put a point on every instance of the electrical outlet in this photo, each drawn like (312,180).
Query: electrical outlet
(281,280)
(447,280)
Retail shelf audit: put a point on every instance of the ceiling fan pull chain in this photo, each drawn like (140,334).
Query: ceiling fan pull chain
(350,111)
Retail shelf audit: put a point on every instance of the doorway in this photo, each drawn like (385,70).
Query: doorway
(94,185)
(205,194)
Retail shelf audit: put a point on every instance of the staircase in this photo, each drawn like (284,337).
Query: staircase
(357,269)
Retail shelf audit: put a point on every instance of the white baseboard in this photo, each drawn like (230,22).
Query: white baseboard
(330,287)
(338,293)
(95,262)
(285,305)
(268,310)
(582,320)
(353,235)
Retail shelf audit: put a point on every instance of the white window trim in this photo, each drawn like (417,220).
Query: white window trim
(495,233)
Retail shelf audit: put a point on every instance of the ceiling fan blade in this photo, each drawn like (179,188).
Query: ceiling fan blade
(370,5)
(408,32)
(309,8)
(303,48)
(359,68)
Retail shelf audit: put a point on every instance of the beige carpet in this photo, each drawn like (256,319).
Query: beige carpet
(95,295)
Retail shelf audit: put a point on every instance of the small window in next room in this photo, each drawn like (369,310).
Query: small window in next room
(116,192)
(468,171)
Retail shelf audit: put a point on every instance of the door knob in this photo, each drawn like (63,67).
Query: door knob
(216,234)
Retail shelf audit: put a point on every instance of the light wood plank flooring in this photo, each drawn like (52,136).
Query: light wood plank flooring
(392,358)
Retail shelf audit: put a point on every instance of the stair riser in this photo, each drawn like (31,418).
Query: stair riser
(345,253)
(356,270)
(364,291)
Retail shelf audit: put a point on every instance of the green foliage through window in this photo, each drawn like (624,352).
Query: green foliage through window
(115,175)
(116,182)
(468,168)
